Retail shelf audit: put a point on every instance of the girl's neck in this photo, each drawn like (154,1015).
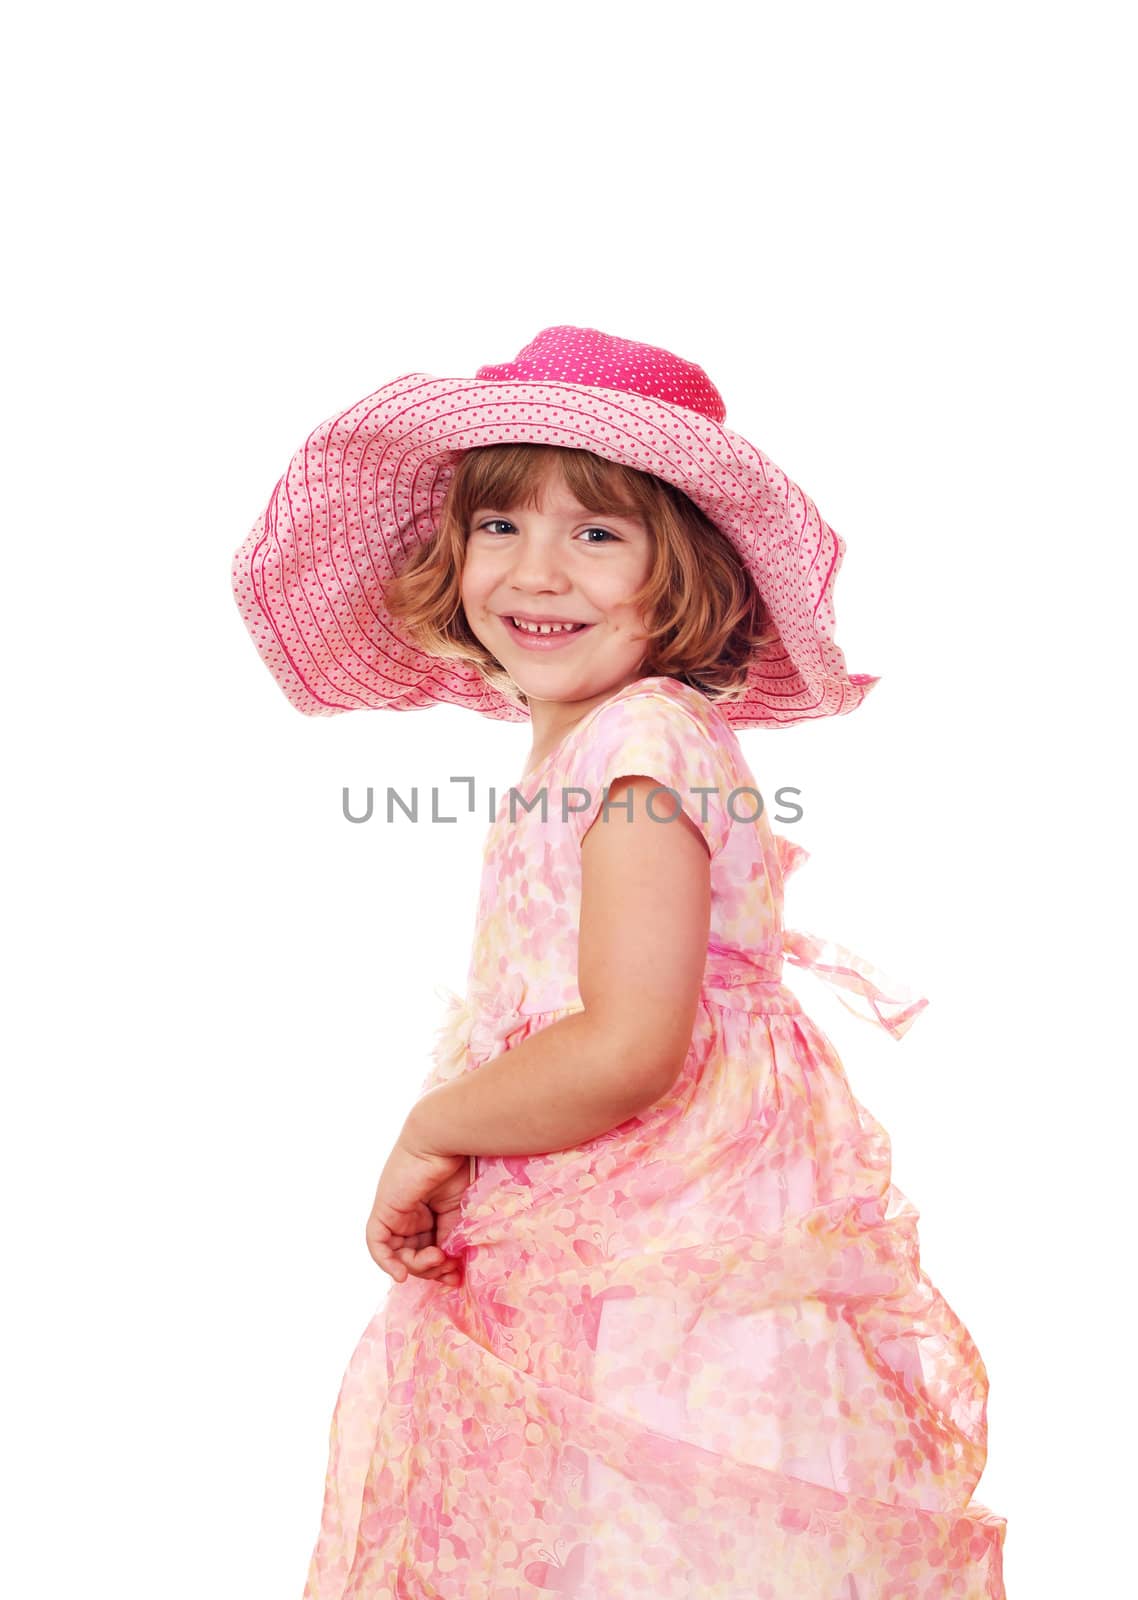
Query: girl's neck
(554,720)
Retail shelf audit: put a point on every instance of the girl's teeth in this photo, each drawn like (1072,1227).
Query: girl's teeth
(545,627)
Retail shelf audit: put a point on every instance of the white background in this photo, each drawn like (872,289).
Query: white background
(896,238)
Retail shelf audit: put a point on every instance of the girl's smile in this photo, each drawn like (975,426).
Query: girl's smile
(543,633)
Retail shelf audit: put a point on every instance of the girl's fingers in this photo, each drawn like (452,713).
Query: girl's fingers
(412,1255)
(403,1241)
(424,1262)
(431,1263)
(391,1257)
(397,1243)
(432,1256)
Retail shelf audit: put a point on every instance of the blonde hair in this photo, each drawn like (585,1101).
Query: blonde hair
(704,615)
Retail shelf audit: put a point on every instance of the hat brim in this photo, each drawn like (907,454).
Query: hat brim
(370,483)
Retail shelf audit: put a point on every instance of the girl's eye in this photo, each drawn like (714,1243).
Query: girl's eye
(492,522)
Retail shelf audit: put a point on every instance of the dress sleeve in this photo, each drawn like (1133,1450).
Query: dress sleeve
(650,736)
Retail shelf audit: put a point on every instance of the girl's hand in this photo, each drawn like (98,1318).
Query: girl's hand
(401,1230)
(432,1261)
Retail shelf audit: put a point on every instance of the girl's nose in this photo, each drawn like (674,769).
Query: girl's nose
(537,567)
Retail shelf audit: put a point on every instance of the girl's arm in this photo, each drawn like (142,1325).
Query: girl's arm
(645,916)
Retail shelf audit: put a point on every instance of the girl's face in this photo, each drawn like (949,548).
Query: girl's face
(561,563)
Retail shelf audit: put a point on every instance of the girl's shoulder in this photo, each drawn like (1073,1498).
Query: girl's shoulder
(663,729)
(663,705)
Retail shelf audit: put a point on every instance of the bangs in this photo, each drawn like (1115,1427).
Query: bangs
(514,475)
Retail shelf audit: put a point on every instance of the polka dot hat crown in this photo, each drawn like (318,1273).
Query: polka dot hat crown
(369,484)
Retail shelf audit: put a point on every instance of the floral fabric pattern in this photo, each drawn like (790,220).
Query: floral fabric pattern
(696,1358)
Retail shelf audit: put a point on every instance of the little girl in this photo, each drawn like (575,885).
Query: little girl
(658,1322)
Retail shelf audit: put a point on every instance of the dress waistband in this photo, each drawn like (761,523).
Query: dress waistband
(495,1011)
(884,1000)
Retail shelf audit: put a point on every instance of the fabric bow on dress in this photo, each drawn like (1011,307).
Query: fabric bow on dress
(476,1024)
(475,1029)
(495,1014)
(892,1004)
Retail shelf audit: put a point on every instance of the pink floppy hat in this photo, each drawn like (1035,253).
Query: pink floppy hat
(369,484)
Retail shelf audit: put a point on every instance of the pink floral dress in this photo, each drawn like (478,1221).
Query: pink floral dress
(696,1358)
